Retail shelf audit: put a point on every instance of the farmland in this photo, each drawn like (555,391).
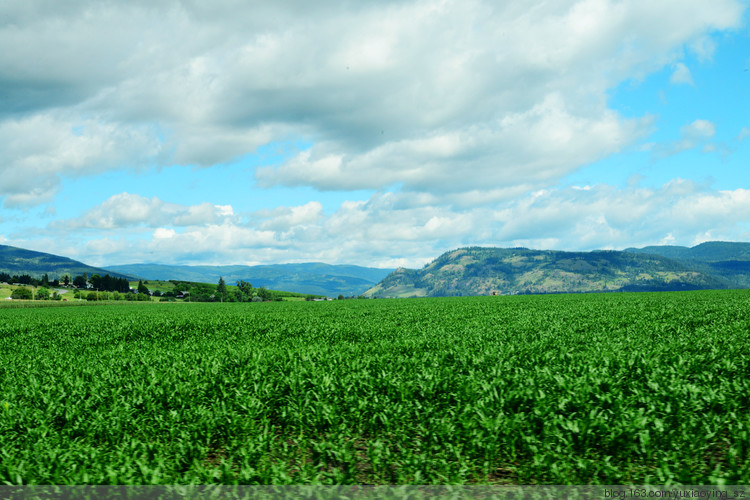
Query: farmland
(560,389)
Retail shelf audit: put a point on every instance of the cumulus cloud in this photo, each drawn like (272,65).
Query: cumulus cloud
(698,130)
(433,95)
(39,149)
(681,75)
(392,229)
(541,144)
(461,117)
(703,47)
(696,134)
(213,239)
(608,217)
(126,210)
(287,218)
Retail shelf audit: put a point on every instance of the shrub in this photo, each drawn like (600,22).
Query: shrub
(22,293)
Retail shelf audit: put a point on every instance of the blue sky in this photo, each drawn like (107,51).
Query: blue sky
(714,92)
(371,133)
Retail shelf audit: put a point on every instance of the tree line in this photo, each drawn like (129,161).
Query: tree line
(96,282)
(245,292)
(104,283)
(88,288)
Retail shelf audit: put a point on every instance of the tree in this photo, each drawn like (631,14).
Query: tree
(21,293)
(221,289)
(79,281)
(264,294)
(142,288)
(96,281)
(244,291)
(42,294)
(24,279)
(66,280)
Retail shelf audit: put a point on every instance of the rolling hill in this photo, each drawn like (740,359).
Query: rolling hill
(311,278)
(710,251)
(486,271)
(19,261)
(729,261)
(466,271)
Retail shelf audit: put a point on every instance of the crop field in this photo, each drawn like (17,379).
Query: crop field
(559,389)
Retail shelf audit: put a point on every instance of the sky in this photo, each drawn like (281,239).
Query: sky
(377,133)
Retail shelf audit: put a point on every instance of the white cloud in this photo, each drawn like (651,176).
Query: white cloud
(161,233)
(384,230)
(669,239)
(681,75)
(224,210)
(126,210)
(106,246)
(697,130)
(432,94)
(703,48)
(693,135)
(286,218)
(216,244)
(39,149)
(539,145)
(468,111)
(744,134)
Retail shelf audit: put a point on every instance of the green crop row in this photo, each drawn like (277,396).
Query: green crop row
(564,389)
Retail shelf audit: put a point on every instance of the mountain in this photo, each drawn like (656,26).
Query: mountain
(710,251)
(729,261)
(485,271)
(313,278)
(19,261)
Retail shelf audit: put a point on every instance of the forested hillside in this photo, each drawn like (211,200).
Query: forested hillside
(729,261)
(486,271)
(18,261)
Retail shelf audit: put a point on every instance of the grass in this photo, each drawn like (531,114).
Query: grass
(642,388)
(6,290)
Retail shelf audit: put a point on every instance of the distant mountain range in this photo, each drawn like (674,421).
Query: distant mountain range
(485,271)
(727,261)
(312,278)
(466,271)
(18,261)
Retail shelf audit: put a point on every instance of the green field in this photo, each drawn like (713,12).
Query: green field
(68,294)
(561,389)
